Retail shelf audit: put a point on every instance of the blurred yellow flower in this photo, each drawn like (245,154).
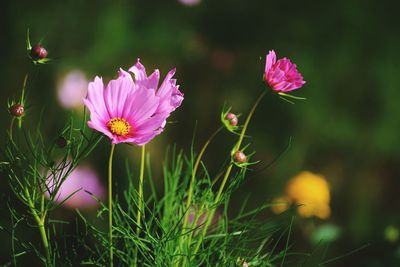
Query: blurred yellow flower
(311,192)
(280,204)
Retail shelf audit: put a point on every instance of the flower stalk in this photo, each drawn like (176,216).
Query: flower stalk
(40,220)
(45,242)
(140,197)
(210,215)
(110,220)
(11,127)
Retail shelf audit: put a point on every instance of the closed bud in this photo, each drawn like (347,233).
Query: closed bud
(242,262)
(240,157)
(233,120)
(38,52)
(17,110)
(61,142)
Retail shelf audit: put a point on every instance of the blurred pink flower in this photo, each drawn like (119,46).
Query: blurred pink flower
(82,179)
(189,2)
(282,75)
(71,89)
(132,110)
(201,219)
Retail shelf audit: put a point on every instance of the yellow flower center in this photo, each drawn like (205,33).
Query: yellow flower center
(119,126)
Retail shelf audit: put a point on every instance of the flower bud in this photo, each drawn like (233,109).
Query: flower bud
(240,157)
(38,52)
(17,110)
(242,262)
(61,142)
(233,120)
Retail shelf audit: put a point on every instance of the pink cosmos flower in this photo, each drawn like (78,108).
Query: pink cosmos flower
(131,110)
(189,2)
(74,188)
(282,75)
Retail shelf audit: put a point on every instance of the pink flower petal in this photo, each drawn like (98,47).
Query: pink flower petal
(150,124)
(270,60)
(139,71)
(166,84)
(152,80)
(96,97)
(124,74)
(143,103)
(101,128)
(116,94)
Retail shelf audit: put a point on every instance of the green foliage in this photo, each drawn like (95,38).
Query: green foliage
(37,167)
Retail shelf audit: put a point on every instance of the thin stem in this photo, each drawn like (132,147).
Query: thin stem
(40,220)
(42,204)
(22,100)
(45,242)
(227,173)
(140,197)
(190,194)
(194,171)
(141,177)
(110,234)
(11,127)
(43,214)
(193,177)
(14,258)
(246,123)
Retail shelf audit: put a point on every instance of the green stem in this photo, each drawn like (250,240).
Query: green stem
(40,220)
(22,100)
(227,173)
(11,127)
(45,242)
(194,171)
(246,123)
(14,258)
(42,205)
(110,234)
(140,198)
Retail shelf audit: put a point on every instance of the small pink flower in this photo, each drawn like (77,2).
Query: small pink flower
(193,215)
(189,2)
(72,88)
(132,110)
(282,75)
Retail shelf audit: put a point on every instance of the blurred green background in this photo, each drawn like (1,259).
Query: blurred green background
(347,130)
